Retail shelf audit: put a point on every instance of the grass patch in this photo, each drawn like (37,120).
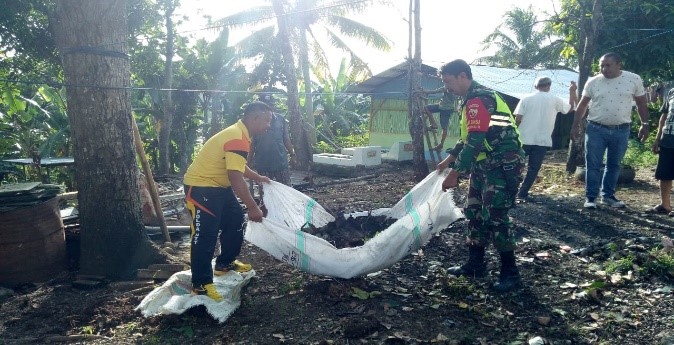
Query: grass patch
(639,154)
(660,263)
(458,287)
(88,330)
(292,285)
(621,265)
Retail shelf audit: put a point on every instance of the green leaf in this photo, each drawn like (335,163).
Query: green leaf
(598,284)
(14,104)
(360,294)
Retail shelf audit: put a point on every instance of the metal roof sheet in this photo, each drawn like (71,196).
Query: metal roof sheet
(520,82)
(513,82)
(371,84)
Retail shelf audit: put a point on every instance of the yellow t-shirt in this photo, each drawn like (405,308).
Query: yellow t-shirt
(227,150)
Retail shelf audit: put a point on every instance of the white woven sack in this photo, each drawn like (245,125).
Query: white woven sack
(428,210)
(174,296)
(293,208)
(420,193)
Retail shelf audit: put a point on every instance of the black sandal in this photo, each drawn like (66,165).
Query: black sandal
(659,209)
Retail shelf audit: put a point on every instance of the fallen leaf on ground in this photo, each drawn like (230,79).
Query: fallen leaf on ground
(463,305)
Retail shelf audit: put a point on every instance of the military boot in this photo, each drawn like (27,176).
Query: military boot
(509,277)
(475,267)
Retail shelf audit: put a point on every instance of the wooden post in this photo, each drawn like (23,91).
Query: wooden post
(150,181)
(431,149)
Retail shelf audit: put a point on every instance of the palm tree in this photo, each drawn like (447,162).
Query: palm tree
(212,66)
(526,48)
(313,25)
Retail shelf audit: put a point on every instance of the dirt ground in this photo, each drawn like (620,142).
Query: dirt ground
(591,277)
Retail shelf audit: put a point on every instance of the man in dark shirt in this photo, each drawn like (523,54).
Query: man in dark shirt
(269,151)
(664,147)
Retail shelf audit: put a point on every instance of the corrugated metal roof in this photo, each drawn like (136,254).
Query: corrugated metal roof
(514,82)
(398,71)
(520,82)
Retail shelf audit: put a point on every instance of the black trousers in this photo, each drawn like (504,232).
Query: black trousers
(213,210)
(535,155)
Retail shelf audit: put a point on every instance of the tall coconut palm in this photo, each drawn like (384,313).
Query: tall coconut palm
(520,44)
(212,66)
(314,25)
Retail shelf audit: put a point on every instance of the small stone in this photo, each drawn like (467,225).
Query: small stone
(543,320)
(537,341)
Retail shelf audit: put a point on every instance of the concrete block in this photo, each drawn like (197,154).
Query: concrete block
(400,151)
(351,157)
(364,155)
(333,159)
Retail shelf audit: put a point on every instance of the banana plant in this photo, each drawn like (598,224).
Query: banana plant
(35,127)
(340,113)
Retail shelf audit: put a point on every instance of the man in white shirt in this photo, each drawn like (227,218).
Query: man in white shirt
(608,126)
(535,116)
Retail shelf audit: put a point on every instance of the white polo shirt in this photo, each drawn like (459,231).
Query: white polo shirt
(612,99)
(539,111)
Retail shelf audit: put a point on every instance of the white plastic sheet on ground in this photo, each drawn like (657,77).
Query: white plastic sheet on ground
(174,296)
(425,210)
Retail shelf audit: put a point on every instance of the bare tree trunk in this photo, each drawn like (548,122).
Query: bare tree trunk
(91,38)
(181,142)
(297,131)
(217,115)
(166,123)
(306,75)
(416,124)
(589,31)
(308,97)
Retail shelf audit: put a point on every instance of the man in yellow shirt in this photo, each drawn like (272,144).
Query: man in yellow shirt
(212,183)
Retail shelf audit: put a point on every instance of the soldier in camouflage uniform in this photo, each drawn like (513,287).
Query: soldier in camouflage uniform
(490,150)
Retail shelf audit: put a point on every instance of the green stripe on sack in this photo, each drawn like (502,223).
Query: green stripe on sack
(309,212)
(416,219)
(408,202)
(300,243)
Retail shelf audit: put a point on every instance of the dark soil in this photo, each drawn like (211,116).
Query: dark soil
(348,231)
(591,277)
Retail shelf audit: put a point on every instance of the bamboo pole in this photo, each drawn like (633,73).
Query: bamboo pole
(150,181)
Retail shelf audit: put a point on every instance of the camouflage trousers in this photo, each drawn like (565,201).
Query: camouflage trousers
(491,195)
(282,176)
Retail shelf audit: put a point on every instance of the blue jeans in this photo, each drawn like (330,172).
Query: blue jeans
(600,140)
(535,155)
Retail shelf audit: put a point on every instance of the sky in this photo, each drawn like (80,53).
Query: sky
(451,29)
